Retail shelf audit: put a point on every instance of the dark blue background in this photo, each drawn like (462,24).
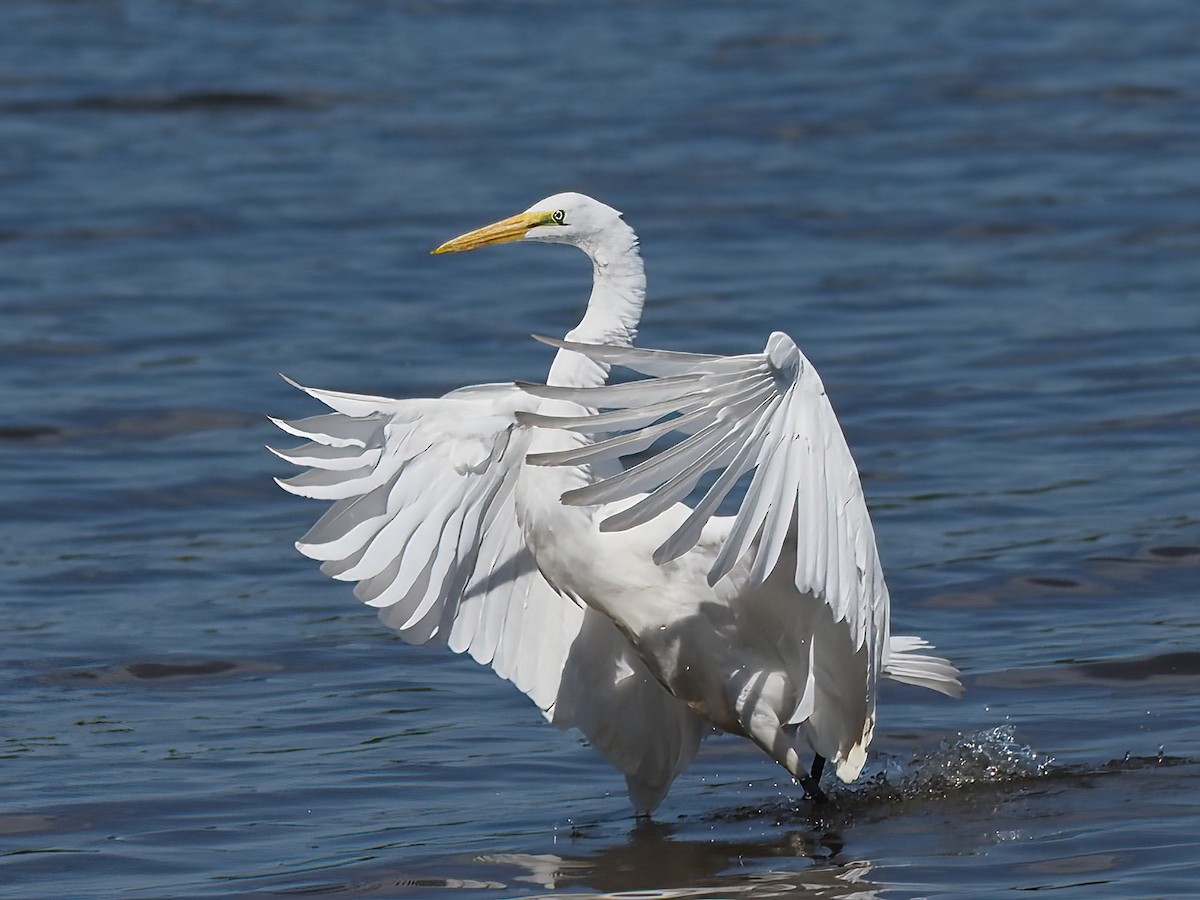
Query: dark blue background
(980,221)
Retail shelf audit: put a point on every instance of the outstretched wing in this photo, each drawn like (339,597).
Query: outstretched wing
(424,520)
(765,412)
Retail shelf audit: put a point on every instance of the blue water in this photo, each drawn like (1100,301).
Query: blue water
(980,221)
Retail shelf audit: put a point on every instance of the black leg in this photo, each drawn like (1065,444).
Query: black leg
(818,767)
(812,783)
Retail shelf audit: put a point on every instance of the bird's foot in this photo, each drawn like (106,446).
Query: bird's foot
(812,783)
(813,792)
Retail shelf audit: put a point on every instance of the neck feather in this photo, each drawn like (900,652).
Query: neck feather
(613,310)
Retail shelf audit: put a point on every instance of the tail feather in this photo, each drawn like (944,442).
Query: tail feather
(902,664)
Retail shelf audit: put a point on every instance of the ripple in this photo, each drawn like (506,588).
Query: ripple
(164,670)
(20,433)
(25,823)
(1184,665)
(1174,552)
(1181,667)
(172,422)
(185,101)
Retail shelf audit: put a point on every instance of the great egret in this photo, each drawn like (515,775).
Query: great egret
(499,519)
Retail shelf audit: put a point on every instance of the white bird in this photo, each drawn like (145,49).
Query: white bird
(499,519)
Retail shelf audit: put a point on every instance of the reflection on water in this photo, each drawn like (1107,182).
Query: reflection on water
(650,855)
(987,780)
(845,880)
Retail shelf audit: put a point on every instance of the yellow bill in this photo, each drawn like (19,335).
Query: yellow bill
(511,229)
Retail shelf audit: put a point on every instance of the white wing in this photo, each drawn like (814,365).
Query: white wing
(765,412)
(641,729)
(424,519)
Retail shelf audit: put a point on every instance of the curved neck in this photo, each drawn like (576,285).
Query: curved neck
(613,311)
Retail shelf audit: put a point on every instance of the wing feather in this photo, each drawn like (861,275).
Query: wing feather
(689,533)
(616,420)
(781,497)
(324,456)
(331,429)
(765,412)
(625,445)
(717,451)
(424,519)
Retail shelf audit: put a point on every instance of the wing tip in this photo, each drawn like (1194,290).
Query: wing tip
(273,451)
(534,389)
(291,489)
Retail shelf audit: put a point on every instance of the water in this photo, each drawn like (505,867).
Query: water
(981,224)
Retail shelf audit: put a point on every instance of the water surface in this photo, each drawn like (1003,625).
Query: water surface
(981,225)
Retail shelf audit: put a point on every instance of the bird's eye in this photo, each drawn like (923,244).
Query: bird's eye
(558,216)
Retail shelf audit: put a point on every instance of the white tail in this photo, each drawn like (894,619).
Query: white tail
(902,664)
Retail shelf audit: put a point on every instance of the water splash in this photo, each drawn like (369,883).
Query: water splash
(959,763)
(986,757)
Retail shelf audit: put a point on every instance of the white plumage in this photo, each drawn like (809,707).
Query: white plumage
(500,519)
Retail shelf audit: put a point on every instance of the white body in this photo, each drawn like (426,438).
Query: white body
(645,629)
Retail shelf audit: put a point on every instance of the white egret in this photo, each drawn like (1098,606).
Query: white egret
(499,519)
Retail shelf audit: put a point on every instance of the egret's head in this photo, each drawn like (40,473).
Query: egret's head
(562,219)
